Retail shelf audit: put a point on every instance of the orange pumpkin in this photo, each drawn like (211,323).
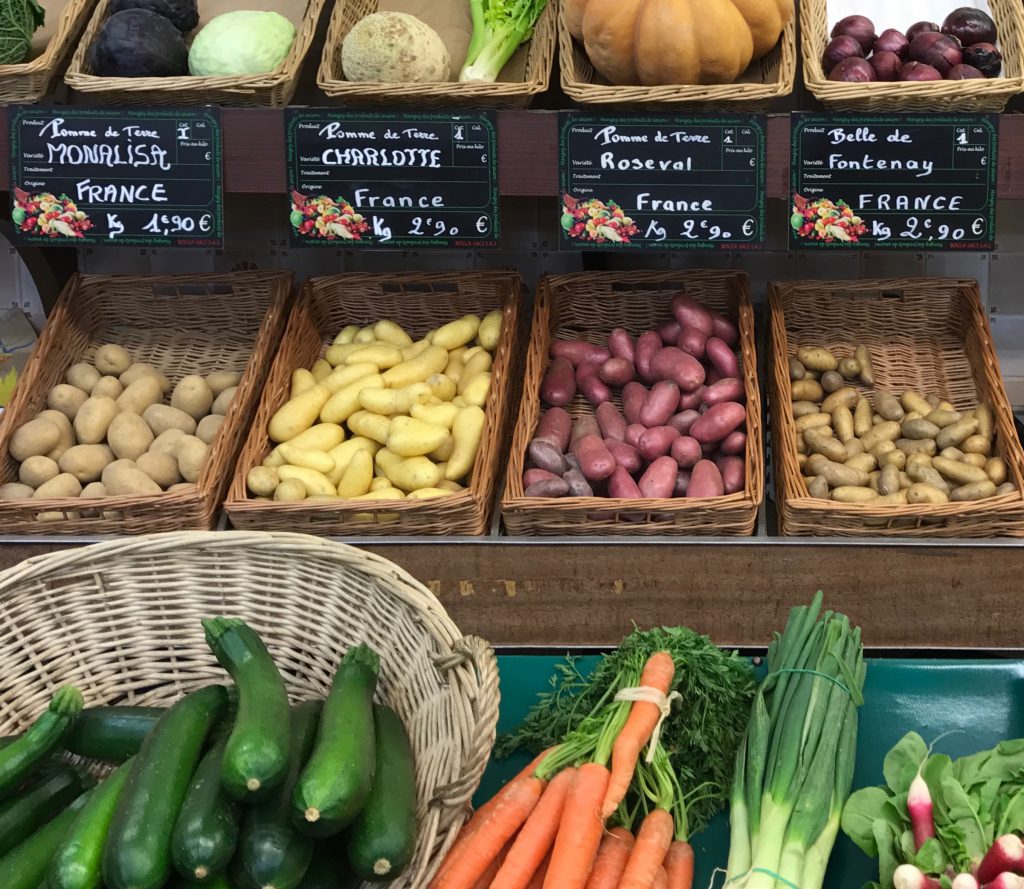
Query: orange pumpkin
(661,42)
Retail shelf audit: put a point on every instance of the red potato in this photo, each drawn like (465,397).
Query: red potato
(584,425)
(626,456)
(633,433)
(691,401)
(660,478)
(726,389)
(692,342)
(622,486)
(718,422)
(554,426)
(724,329)
(690,313)
(646,345)
(660,405)
(547,457)
(572,461)
(672,363)
(620,344)
(683,421)
(686,452)
(669,332)
(617,372)
(657,442)
(532,476)
(734,472)
(579,352)
(596,461)
(553,487)
(722,358)
(578,485)
(713,376)
(589,383)
(705,481)
(634,396)
(734,443)
(612,423)
(682,483)
(559,385)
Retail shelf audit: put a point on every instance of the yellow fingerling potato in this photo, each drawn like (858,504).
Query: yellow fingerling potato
(428,494)
(369,425)
(453,368)
(456,333)
(413,349)
(346,335)
(408,473)
(409,437)
(302,380)
(431,360)
(442,386)
(321,437)
(449,485)
(394,401)
(315,482)
(365,335)
(490,331)
(345,402)
(343,453)
(442,453)
(466,433)
(310,459)
(262,481)
(298,414)
(388,493)
(476,364)
(380,483)
(438,414)
(321,369)
(380,354)
(338,352)
(344,374)
(358,475)
(290,490)
(389,332)
(476,389)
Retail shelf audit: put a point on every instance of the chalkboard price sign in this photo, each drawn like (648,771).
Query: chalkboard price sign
(117,176)
(894,182)
(681,183)
(392,180)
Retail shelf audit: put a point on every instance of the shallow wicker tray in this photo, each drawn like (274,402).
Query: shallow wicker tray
(181,324)
(273,89)
(587,306)
(768,78)
(419,302)
(121,621)
(946,96)
(502,94)
(929,334)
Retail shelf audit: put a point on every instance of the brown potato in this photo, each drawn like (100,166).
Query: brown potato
(817,358)
(34,438)
(37,470)
(808,390)
(67,399)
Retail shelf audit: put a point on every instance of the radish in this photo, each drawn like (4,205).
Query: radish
(965,881)
(1006,854)
(909,877)
(1006,880)
(919,808)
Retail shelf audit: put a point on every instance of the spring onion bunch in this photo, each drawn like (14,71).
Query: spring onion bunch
(500,27)
(794,768)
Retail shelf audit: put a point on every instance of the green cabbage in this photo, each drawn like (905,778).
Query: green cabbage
(18,22)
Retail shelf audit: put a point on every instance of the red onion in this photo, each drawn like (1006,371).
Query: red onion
(839,49)
(891,40)
(920,28)
(918,71)
(964,72)
(860,28)
(886,64)
(985,57)
(938,50)
(853,70)
(970,26)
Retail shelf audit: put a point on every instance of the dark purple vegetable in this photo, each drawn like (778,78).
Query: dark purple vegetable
(860,28)
(891,40)
(964,72)
(138,43)
(920,28)
(839,49)
(940,51)
(985,57)
(918,71)
(183,14)
(886,64)
(853,70)
(970,26)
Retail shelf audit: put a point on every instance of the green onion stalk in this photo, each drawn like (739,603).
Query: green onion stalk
(794,769)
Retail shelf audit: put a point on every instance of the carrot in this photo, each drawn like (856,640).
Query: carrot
(611,859)
(497,828)
(679,865)
(652,842)
(658,673)
(579,831)
(540,874)
(537,836)
(660,879)
(485,881)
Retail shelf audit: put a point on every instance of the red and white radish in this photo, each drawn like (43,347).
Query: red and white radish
(1006,880)
(965,881)
(1006,854)
(919,808)
(907,876)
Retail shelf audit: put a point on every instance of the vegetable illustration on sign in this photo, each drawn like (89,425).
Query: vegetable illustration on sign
(825,220)
(322,217)
(47,214)
(597,221)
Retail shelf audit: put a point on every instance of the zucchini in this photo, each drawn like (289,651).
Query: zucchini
(382,839)
(18,758)
(256,759)
(76,864)
(112,734)
(37,805)
(24,867)
(335,784)
(271,853)
(218,882)
(206,832)
(138,850)
(329,869)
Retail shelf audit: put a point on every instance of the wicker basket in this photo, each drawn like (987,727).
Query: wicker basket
(928,334)
(273,89)
(29,81)
(768,78)
(502,94)
(418,302)
(960,96)
(587,306)
(181,324)
(121,621)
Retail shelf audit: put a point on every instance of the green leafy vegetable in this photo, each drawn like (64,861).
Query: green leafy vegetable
(500,27)
(19,20)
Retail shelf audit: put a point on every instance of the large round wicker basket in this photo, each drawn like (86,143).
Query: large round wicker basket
(121,621)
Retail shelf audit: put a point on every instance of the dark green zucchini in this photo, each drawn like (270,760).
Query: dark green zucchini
(76,864)
(21,817)
(20,757)
(329,869)
(256,759)
(335,783)
(218,882)
(271,853)
(382,839)
(112,734)
(206,833)
(24,867)
(138,850)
